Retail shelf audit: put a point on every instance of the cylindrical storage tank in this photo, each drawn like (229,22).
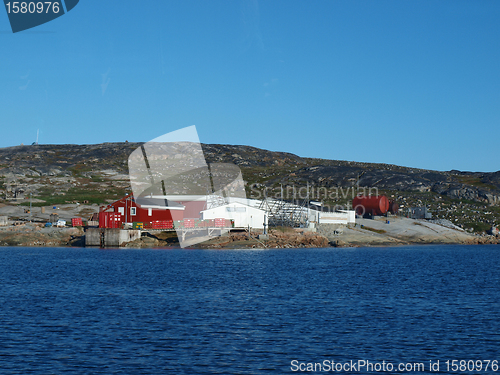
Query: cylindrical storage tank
(393,207)
(377,204)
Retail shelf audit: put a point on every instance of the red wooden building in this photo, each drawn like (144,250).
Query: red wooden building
(149,210)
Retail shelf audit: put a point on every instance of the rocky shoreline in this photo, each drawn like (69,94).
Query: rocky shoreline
(366,233)
(36,235)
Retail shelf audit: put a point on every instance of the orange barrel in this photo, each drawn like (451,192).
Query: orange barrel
(377,204)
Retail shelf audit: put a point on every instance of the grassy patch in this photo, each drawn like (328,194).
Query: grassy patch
(379,231)
(478,227)
(95,178)
(78,195)
(78,169)
(495,210)
(475,181)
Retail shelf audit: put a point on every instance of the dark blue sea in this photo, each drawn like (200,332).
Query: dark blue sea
(174,311)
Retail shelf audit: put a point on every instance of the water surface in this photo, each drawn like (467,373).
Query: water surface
(128,311)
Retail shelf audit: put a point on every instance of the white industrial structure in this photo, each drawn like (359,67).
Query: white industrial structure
(259,214)
(279,213)
(338,217)
(244,216)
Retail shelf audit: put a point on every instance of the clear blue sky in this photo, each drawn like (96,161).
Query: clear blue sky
(413,83)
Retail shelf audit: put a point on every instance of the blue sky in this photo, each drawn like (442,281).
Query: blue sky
(413,83)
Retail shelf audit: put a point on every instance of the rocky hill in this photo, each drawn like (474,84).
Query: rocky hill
(55,174)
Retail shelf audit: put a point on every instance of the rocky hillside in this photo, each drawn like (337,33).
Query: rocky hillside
(55,174)
(270,168)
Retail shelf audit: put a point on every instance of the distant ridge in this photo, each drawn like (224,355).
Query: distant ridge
(259,166)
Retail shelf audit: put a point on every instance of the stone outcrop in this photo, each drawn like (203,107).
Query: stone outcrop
(37,235)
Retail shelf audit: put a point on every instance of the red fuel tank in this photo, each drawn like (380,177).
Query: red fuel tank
(376,204)
(393,207)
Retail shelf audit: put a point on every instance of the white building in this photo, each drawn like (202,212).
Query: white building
(242,214)
(4,220)
(338,217)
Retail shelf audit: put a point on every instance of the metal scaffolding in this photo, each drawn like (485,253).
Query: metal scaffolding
(282,213)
